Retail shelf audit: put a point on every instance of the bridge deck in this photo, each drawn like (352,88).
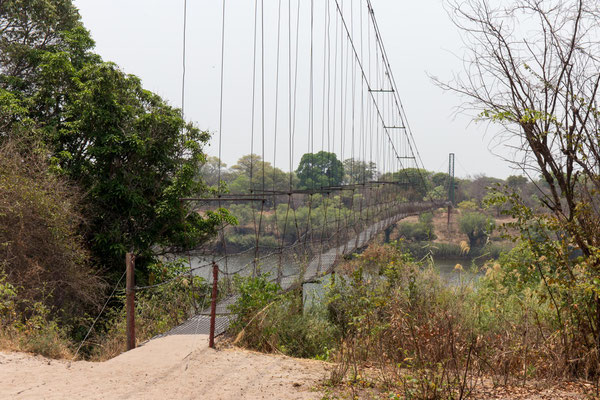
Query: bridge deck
(319,266)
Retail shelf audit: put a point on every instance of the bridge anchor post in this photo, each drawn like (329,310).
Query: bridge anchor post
(213,306)
(130,299)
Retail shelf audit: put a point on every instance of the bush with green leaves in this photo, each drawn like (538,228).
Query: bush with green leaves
(27,325)
(431,339)
(268,321)
(468,205)
(416,232)
(477,226)
(255,293)
(426,218)
(424,337)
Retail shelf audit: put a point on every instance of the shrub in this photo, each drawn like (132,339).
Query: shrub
(255,293)
(426,218)
(405,322)
(477,227)
(28,326)
(416,232)
(39,221)
(468,205)
(272,322)
(390,317)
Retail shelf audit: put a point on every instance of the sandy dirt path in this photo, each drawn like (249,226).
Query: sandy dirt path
(174,367)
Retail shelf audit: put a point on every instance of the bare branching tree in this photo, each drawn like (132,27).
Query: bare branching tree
(533,66)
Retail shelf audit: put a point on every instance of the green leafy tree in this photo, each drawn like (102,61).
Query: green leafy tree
(468,205)
(440,179)
(210,169)
(413,181)
(438,193)
(357,171)
(252,173)
(319,170)
(516,181)
(29,30)
(137,158)
(131,153)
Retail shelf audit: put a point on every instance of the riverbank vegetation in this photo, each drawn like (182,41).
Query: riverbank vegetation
(394,326)
(93,166)
(283,219)
(535,312)
(474,234)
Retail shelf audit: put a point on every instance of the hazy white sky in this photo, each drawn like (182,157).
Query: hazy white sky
(144,37)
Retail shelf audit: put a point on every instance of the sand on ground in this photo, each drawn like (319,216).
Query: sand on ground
(173,367)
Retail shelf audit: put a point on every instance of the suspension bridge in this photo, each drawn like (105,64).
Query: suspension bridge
(332,162)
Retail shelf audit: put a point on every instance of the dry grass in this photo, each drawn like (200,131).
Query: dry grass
(413,336)
(42,253)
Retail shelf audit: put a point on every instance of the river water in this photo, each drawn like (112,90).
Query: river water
(243,265)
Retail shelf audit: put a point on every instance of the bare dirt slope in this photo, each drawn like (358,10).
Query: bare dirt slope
(175,367)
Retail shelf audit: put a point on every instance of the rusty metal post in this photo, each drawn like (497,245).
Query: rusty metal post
(130,300)
(213,306)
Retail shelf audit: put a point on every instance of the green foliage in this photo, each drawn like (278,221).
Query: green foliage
(468,205)
(45,27)
(255,293)
(516,181)
(427,338)
(438,193)
(353,302)
(40,334)
(440,179)
(395,319)
(416,232)
(140,159)
(130,152)
(247,175)
(420,231)
(319,170)
(357,171)
(13,116)
(477,227)
(284,326)
(436,334)
(29,326)
(426,218)
(414,182)
(8,298)
(268,321)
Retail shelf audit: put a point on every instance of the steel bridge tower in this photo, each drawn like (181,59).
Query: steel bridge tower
(451,188)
